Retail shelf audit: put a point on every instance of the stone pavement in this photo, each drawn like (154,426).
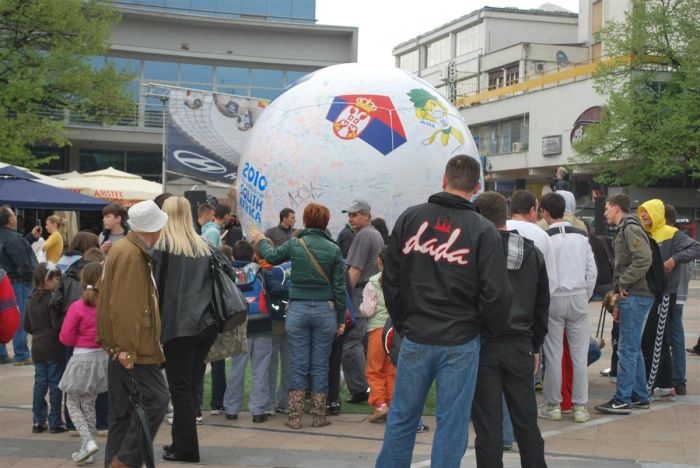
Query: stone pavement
(667,435)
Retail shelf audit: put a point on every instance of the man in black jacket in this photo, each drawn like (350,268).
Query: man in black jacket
(18,260)
(445,282)
(509,359)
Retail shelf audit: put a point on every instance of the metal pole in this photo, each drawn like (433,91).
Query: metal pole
(164,101)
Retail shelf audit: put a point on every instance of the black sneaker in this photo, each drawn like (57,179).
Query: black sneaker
(422,428)
(638,404)
(614,406)
(680,389)
(38,428)
(694,350)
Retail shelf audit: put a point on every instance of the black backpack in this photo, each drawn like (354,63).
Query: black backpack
(656,277)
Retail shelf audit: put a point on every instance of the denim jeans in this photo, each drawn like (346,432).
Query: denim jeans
(19,341)
(47,375)
(631,373)
(454,369)
(311,327)
(676,338)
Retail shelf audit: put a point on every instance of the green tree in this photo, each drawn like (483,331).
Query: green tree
(650,124)
(46,50)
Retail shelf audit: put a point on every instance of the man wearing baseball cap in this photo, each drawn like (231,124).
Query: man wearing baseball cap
(362,264)
(128,326)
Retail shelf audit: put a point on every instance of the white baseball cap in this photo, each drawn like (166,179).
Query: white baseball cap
(145,216)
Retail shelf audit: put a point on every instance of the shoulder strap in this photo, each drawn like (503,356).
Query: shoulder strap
(314,261)
(561,229)
(604,240)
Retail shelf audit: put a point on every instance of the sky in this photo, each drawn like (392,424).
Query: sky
(384,24)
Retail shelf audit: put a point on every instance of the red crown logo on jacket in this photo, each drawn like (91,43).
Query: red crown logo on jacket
(444,226)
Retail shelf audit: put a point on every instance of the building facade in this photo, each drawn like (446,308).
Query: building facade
(244,47)
(523,81)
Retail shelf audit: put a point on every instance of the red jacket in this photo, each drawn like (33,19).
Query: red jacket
(9,312)
(80,326)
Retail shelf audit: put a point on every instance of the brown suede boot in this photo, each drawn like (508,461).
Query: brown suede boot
(318,410)
(296,408)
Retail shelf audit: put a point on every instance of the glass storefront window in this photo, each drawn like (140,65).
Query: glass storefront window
(227,76)
(160,71)
(94,160)
(196,73)
(293,76)
(269,78)
(147,165)
(263,93)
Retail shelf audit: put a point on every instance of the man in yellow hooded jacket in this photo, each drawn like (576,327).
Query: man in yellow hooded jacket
(676,248)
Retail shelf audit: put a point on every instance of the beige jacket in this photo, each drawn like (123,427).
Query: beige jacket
(127,311)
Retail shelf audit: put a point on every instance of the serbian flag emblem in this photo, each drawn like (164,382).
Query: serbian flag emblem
(371,118)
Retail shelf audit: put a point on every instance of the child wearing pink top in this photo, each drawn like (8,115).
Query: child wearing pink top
(86,373)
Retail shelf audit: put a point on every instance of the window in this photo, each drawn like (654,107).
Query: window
(267,78)
(94,160)
(467,41)
(438,51)
(159,71)
(55,166)
(191,72)
(293,76)
(227,76)
(504,76)
(410,62)
(503,137)
(145,164)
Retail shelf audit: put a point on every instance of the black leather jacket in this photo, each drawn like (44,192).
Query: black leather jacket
(445,275)
(185,291)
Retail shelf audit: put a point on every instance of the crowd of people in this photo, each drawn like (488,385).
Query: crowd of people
(474,293)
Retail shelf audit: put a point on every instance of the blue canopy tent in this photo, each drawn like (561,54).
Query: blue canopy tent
(20,189)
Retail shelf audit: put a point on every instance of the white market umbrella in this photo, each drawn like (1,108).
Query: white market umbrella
(113,185)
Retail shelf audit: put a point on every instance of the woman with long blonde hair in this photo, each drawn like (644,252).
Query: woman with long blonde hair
(53,247)
(188,326)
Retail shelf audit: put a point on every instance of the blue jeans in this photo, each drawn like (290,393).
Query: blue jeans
(631,373)
(311,327)
(676,338)
(47,375)
(454,370)
(19,341)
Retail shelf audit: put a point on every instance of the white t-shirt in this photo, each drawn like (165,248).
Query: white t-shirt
(542,241)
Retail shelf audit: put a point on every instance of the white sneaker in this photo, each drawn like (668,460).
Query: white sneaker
(664,394)
(581,414)
(85,452)
(551,412)
(199,420)
(216,411)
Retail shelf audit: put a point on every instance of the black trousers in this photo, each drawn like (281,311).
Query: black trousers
(184,358)
(334,370)
(506,369)
(123,438)
(656,332)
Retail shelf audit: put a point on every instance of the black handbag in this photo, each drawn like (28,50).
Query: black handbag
(229,306)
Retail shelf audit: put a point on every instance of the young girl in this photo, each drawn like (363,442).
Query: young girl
(379,370)
(47,352)
(86,372)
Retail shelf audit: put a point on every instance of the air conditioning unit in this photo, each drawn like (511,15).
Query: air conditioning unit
(539,66)
(516,147)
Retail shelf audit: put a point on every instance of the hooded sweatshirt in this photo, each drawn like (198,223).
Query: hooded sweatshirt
(673,243)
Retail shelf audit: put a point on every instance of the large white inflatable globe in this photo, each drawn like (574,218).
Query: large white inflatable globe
(347,132)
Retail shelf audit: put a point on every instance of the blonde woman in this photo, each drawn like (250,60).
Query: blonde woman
(188,326)
(53,247)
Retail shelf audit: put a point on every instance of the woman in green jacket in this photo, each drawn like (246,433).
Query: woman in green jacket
(316,311)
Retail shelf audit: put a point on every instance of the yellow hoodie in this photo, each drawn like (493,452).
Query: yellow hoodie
(658,230)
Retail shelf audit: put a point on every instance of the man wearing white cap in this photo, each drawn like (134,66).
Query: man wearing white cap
(128,325)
